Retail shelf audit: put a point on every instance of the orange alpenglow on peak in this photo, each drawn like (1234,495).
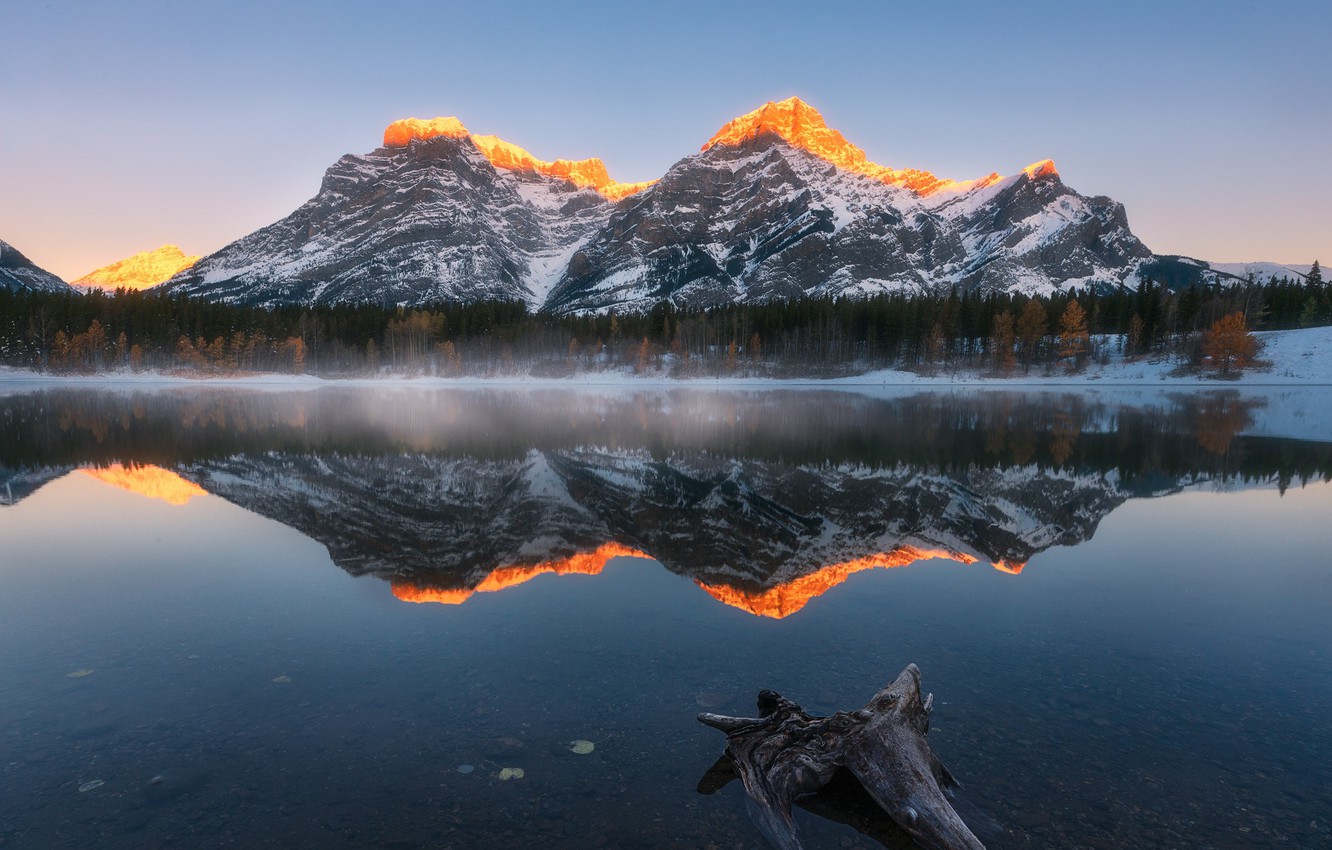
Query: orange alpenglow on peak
(400,133)
(1044,168)
(140,271)
(582,563)
(583,173)
(788,598)
(152,482)
(803,127)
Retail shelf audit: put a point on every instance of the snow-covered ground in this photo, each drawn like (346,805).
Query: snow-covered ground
(1300,357)
(1294,392)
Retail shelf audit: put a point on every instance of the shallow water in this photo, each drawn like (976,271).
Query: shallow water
(289,619)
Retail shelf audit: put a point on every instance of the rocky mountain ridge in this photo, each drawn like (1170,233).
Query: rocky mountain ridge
(775,205)
(20,274)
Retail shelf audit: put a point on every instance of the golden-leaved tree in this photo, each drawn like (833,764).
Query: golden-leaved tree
(1229,346)
(1073,337)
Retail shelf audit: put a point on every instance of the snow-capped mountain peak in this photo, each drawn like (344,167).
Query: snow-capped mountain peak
(584,173)
(802,126)
(400,133)
(776,205)
(140,271)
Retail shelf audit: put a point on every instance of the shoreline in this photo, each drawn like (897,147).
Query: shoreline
(1297,358)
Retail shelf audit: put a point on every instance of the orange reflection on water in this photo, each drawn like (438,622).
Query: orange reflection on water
(583,563)
(1013,568)
(152,482)
(787,598)
(408,592)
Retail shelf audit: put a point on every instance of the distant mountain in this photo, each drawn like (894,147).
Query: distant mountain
(141,271)
(776,205)
(17,272)
(1178,272)
(1262,271)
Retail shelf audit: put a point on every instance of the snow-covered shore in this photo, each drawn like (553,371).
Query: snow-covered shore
(1294,358)
(1291,398)
(1300,357)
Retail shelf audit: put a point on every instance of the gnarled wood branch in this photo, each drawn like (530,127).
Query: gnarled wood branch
(785,754)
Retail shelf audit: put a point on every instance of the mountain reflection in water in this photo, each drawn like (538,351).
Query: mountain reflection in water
(763,503)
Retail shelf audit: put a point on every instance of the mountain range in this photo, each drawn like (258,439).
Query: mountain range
(775,205)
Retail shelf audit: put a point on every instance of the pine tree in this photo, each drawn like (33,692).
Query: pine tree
(1309,313)
(1002,338)
(640,365)
(1314,279)
(935,344)
(1031,327)
(1133,340)
(1073,336)
(297,347)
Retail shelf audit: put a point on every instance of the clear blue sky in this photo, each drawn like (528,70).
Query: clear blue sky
(129,124)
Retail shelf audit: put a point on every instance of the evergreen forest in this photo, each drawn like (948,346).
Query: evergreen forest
(811,337)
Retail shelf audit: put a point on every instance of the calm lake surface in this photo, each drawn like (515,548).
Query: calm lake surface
(348,617)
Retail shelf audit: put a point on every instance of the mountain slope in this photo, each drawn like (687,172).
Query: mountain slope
(19,273)
(140,271)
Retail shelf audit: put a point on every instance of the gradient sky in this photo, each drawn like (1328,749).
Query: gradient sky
(126,125)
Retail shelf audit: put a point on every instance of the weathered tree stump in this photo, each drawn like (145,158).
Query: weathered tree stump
(786,754)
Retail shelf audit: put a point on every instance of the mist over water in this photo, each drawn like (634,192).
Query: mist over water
(339,616)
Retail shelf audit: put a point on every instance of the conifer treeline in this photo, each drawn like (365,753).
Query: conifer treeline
(999,332)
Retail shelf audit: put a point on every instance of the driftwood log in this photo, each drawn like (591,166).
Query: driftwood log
(785,755)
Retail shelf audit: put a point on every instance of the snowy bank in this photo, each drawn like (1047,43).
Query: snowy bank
(1292,358)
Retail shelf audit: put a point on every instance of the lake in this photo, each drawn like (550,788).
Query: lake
(431,618)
